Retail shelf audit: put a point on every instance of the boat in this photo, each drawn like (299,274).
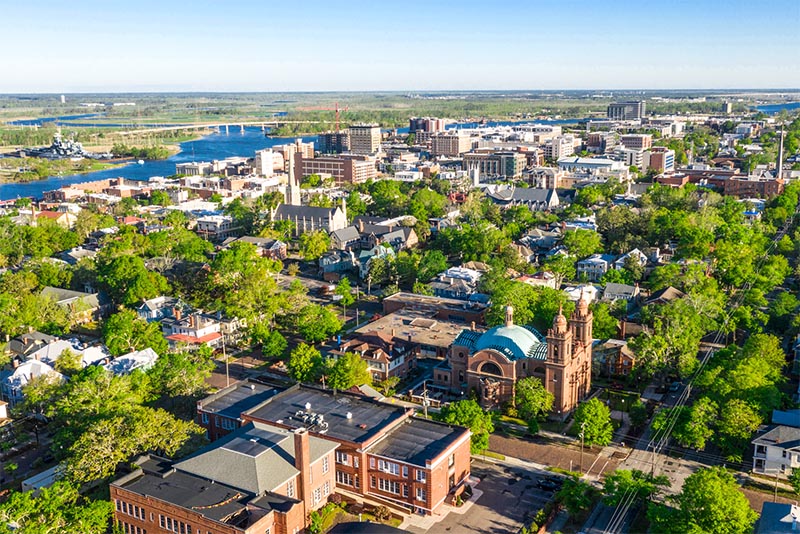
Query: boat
(140,162)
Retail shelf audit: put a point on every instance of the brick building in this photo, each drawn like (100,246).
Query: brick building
(383,451)
(259,479)
(491,362)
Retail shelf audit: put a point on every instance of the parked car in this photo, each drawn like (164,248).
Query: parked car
(548,484)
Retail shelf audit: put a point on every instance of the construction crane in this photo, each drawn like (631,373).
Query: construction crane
(336,108)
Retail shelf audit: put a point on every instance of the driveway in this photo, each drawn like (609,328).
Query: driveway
(509,497)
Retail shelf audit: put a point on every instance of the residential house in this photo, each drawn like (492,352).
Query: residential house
(637,254)
(334,264)
(274,249)
(778,518)
(13,381)
(777,451)
(614,292)
(594,267)
(217,227)
(664,296)
(128,363)
(542,240)
(539,279)
(613,358)
(82,307)
(385,354)
(367,257)
(193,330)
(63,219)
(162,307)
(456,283)
(24,345)
(345,238)
(74,255)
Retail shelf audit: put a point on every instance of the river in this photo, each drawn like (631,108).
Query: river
(216,146)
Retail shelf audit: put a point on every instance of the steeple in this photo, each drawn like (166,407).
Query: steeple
(559,321)
(293,189)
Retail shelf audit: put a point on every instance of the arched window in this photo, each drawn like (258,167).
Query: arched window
(491,368)
(538,370)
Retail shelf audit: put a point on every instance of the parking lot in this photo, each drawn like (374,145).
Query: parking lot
(509,498)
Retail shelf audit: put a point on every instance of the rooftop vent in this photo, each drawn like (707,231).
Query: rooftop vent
(308,406)
(349,415)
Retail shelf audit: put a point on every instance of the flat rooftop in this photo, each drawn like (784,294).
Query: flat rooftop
(416,326)
(416,300)
(418,440)
(215,501)
(292,407)
(238,398)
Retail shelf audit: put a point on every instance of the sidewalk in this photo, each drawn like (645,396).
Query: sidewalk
(427,522)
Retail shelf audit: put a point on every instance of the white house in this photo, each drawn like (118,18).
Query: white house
(640,257)
(12,382)
(127,363)
(777,451)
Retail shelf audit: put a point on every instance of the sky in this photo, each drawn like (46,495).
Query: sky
(413,45)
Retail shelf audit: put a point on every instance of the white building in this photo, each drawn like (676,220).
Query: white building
(216,227)
(777,451)
(12,382)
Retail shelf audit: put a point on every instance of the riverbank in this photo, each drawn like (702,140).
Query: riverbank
(23,170)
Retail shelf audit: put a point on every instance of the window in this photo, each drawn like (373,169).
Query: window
(268,531)
(228,424)
(372,462)
(421,496)
(326,488)
(422,476)
(342,458)
(317,495)
(290,489)
(389,486)
(355,461)
(325,464)
(204,418)
(372,481)
(784,453)
(344,478)
(405,471)
(388,467)
(405,490)
(451,460)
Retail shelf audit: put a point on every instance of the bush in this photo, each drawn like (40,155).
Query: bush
(382,514)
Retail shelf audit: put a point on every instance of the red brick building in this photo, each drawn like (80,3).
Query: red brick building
(491,362)
(382,450)
(260,479)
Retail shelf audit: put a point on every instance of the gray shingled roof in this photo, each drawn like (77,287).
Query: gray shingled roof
(786,437)
(256,458)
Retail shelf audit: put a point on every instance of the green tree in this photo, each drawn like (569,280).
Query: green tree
(349,370)
(623,482)
(532,401)
(317,323)
(344,290)
(58,508)
(710,501)
(182,374)
(469,413)
(604,326)
(160,198)
(431,264)
(124,332)
(69,362)
(638,414)
(305,363)
(314,244)
(583,243)
(355,205)
(128,281)
(562,266)
(794,479)
(387,387)
(575,495)
(273,344)
(597,418)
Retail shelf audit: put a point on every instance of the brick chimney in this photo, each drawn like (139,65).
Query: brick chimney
(176,312)
(302,461)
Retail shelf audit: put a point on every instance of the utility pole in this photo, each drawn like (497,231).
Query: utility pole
(582,435)
(225,357)
(425,398)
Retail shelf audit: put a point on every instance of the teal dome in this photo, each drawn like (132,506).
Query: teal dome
(515,342)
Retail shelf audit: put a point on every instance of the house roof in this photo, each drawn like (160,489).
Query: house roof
(183,338)
(786,418)
(349,233)
(778,518)
(257,458)
(238,398)
(620,289)
(67,296)
(524,194)
(127,363)
(785,437)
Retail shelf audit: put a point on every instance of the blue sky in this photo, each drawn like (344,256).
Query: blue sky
(261,45)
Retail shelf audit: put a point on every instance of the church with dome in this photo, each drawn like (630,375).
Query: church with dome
(491,362)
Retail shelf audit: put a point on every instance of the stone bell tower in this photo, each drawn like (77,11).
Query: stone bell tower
(559,358)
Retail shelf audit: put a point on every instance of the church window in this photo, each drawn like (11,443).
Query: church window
(491,368)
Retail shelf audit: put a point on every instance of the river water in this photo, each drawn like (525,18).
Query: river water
(216,146)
